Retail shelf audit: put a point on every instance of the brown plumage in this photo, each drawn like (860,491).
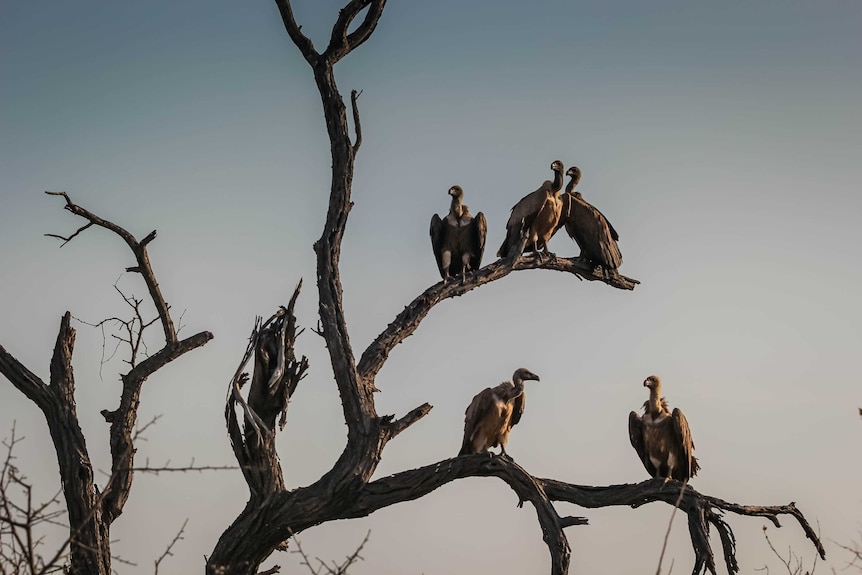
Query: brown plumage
(492,414)
(662,438)
(537,214)
(590,229)
(458,240)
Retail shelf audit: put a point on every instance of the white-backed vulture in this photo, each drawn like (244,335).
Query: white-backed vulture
(590,229)
(458,240)
(492,414)
(662,438)
(537,214)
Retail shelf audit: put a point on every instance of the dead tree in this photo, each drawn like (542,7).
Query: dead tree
(274,514)
(91,510)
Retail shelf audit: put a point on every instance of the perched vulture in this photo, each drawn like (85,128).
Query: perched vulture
(492,414)
(458,240)
(662,438)
(537,214)
(590,229)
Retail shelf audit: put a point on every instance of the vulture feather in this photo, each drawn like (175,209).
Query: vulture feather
(458,240)
(536,216)
(590,229)
(492,414)
(662,438)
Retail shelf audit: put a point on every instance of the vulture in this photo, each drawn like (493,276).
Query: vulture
(458,240)
(536,216)
(590,229)
(492,414)
(662,438)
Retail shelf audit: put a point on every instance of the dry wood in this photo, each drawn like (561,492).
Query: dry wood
(274,514)
(92,511)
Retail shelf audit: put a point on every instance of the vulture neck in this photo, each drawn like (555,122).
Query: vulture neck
(570,188)
(558,182)
(455,208)
(519,386)
(654,405)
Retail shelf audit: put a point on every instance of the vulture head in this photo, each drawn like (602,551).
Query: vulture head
(456,192)
(557,166)
(652,382)
(524,374)
(575,173)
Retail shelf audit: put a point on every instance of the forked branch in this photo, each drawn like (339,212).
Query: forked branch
(139,249)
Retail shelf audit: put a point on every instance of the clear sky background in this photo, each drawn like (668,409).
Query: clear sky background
(723,140)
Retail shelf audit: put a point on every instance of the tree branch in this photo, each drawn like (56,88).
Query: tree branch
(408,320)
(357,126)
(306,47)
(139,249)
(341,43)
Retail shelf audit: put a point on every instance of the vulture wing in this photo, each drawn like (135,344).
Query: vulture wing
(636,436)
(437,241)
(522,216)
(529,205)
(481,406)
(478,231)
(684,445)
(614,233)
(518,405)
(590,229)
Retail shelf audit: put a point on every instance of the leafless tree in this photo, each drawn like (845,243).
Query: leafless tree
(91,510)
(24,522)
(273,513)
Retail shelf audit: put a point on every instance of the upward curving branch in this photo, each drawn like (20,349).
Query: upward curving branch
(408,320)
(139,248)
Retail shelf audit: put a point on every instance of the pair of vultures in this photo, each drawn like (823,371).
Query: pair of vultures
(458,239)
(661,437)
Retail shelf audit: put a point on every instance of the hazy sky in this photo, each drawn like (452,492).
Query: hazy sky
(723,140)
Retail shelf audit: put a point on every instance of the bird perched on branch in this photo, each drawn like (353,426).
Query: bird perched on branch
(492,414)
(536,216)
(458,240)
(590,229)
(662,438)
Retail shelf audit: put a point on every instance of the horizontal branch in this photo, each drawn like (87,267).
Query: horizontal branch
(703,510)
(408,320)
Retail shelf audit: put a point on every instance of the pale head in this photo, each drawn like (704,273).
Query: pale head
(524,374)
(652,382)
(456,192)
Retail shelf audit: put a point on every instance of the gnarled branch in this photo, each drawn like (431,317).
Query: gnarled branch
(139,249)
(408,320)
(91,512)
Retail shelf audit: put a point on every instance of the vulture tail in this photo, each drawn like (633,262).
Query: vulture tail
(466,447)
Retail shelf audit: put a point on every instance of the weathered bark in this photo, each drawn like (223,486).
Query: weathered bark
(92,511)
(274,514)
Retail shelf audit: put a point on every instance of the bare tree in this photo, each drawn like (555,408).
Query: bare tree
(273,513)
(24,522)
(91,510)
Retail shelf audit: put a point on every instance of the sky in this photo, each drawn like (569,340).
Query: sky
(723,140)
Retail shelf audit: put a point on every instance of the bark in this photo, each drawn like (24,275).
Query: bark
(92,511)
(273,513)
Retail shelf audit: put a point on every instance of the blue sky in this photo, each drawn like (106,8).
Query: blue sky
(723,140)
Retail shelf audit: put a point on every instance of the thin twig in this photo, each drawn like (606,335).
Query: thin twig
(169,550)
(669,524)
